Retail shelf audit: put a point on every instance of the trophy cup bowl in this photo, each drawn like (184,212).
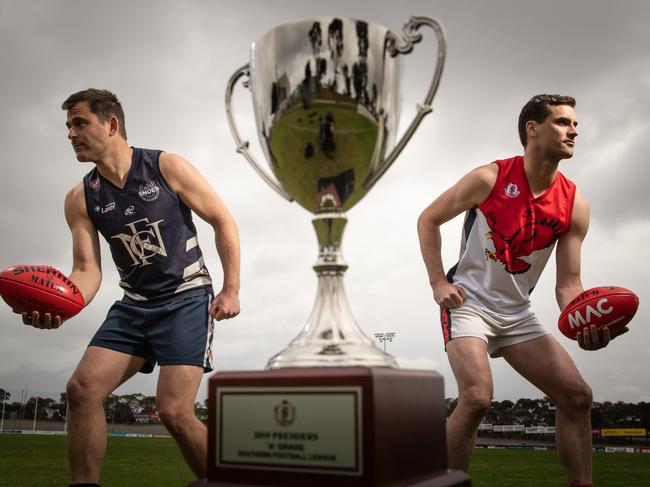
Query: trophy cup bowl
(327,103)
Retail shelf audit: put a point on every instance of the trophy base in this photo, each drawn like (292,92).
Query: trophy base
(331,355)
(343,426)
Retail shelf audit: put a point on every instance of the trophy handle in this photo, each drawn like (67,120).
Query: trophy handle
(410,37)
(242,145)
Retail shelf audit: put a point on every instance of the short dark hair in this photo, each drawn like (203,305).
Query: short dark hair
(102,103)
(537,109)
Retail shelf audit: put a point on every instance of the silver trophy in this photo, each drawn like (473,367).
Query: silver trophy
(327,104)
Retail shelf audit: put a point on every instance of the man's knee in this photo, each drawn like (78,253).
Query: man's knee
(174,415)
(80,393)
(578,399)
(476,400)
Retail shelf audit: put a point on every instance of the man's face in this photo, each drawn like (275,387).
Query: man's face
(89,136)
(556,134)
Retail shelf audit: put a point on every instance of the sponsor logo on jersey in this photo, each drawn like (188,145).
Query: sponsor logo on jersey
(512,190)
(130,210)
(149,191)
(108,207)
(144,242)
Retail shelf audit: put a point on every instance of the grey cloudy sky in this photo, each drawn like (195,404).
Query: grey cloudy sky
(169,62)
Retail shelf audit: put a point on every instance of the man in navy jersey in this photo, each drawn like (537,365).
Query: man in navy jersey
(516,211)
(141,202)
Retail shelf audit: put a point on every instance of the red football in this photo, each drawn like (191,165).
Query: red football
(608,306)
(41,288)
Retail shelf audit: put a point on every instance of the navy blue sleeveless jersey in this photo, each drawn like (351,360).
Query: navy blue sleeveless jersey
(150,232)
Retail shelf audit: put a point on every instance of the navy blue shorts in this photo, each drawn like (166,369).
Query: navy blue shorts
(177,332)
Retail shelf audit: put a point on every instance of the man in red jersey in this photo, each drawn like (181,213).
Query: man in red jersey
(516,210)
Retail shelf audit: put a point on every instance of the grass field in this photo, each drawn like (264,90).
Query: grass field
(37,461)
(508,468)
(32,460)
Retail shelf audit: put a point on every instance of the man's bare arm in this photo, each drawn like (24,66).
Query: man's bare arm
(86,258)
(198,195)
(470,190)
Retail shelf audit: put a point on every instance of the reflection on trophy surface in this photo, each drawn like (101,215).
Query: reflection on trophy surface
(326,99)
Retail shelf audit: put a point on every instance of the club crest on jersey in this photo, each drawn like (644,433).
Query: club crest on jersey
(94,183)
(512,190)
(130,210)
(144,242)
(149,191)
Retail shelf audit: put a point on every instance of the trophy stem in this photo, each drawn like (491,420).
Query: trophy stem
(331,336)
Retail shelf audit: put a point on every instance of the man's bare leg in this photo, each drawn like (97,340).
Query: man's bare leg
(99,373)
(177,388)
(469,362)
(545,363)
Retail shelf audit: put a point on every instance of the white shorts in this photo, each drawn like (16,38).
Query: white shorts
(496,332)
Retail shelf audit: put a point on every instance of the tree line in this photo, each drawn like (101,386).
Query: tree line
(541,412)
(124,409)
(132,408)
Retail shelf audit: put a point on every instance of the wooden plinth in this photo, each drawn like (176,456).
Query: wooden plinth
(343,426)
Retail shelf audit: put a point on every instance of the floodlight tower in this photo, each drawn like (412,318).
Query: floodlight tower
(385,337)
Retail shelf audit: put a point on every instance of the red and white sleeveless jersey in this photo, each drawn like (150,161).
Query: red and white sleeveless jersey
(508,238)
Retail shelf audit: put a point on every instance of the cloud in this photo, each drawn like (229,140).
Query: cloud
(169,62)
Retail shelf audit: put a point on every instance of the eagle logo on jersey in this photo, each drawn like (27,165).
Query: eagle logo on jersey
(532,236)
